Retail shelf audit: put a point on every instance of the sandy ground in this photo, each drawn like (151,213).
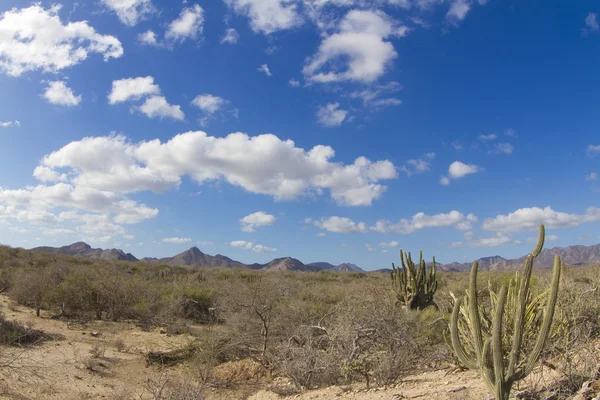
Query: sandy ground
(66,369)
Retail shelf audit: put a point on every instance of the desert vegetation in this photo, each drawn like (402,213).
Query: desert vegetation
(240,331)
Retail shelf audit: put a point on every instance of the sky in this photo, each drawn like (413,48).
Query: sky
(336,131)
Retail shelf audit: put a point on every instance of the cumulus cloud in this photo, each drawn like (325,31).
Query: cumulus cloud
(258,248)
(393,243)
(132,89)
(262,164)
(503,148)
(359,46)
(34,38)
(148,38)
(58,93)
(417,166)
(265,69)
(491,136)
(158,107)
(459,170)
(458,10)
(267,16)
(487,242)
(177,240)
(130,12)
(593,150)
(453,219)
(330,115)
(260,218)
(231,36)
(592,176)
(294,83)
(528,219)
(188,26)
(377,97)
(591,23)
(340,225)
(8,124)
(209,103)
(370,247)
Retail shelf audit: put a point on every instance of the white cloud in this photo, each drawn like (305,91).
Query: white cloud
(209,103)
(330,115)
(592,176)
(231,36)
(130,12)
(187,26)
(148,38)
(245,245)
(393,243)
(430,155)
(414,167)
(265,69)
(503,148)
(360,45)
(59,93)
(549,238)
(46,174)
(453,219)
(486,242)
(491,136)
(261,164)
(458,10)
(457,146)
(132,89)
(259,248)
(260,218)
(267,16)
(294,83)
(370,248)
(593,150)
(528,219)
(340,225)
(459,170)
(444,181)
(58,232)
(157,106)
(177,240)
(376,98)
(591,22)
(8,124)
(35,39)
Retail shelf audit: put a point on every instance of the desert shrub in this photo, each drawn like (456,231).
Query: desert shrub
(33,287)
(15,334)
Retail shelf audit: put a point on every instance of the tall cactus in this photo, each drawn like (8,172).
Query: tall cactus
(485,349)
(414,287)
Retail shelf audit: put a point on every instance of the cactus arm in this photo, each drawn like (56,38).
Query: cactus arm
(474,311)
(540,243)
(546,323)
(459,350)
(497,353)
(488,365)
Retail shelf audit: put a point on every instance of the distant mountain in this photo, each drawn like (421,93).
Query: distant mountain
(288,264)
(82,249)
(572,255)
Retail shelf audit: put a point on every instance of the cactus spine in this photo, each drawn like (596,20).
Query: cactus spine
(414,286)
(486,351)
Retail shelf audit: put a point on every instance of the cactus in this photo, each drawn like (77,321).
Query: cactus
(485,350)
(414,287)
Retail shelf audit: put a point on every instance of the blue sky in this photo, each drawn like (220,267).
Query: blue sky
(336,131)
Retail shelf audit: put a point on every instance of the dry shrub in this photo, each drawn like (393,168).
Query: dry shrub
(165,388)
(15,334)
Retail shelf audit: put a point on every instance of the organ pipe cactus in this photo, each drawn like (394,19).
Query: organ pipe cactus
(502,364)
(414,286)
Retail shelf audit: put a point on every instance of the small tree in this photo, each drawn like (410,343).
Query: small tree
(33,287)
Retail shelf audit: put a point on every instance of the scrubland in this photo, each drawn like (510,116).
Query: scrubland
(75,328)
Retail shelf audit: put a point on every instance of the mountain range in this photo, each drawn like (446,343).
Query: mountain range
(571,255)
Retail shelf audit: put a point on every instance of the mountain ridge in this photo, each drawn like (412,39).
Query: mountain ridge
(574,255)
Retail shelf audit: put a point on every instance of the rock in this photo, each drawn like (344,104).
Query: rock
(162,331)
(95,334)
(457,389)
